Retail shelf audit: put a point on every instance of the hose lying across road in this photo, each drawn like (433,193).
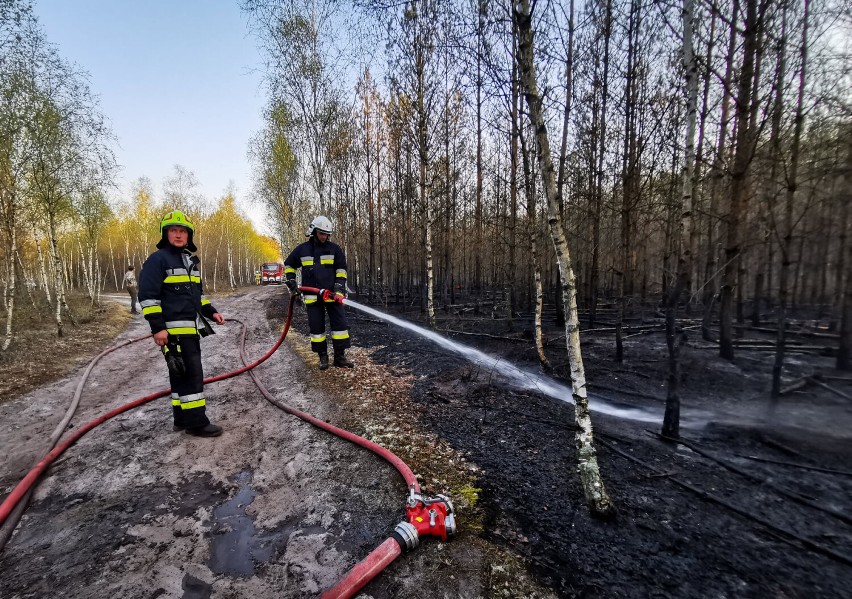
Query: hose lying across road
(32,476)
(11,522)
(404,537)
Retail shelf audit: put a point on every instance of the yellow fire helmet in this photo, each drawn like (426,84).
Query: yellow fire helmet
(176,217)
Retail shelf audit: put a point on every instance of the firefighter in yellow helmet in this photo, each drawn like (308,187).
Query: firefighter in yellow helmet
(173,303)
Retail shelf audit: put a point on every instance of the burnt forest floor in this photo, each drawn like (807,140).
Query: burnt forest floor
(754,503)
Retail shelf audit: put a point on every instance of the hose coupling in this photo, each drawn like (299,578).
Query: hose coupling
(406,535)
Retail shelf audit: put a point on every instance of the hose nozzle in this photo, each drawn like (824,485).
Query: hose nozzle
(328,295)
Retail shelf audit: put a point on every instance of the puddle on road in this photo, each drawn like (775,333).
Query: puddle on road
(236,548)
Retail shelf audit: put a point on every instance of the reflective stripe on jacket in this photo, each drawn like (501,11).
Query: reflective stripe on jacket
(322,264)
(170,292)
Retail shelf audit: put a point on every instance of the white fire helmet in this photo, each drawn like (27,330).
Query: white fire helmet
(321,224)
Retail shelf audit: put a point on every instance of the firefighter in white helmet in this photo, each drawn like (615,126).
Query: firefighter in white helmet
(323,265)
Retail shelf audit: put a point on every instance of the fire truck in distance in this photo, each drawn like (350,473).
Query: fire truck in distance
(271,272)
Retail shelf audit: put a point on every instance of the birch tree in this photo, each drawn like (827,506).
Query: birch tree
(416,80)
(671,419)
(590,476)
(20,39)
(298,37)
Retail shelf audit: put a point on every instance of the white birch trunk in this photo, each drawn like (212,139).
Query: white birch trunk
(230,250)
(112,264)
(29,282)
(671,419)
(43,270)
(590,477)
(10,286)
(87,280)
(57,277)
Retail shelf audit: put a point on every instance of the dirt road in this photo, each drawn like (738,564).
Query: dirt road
(273,508)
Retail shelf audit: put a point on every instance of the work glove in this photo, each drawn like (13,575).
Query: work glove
(340,289)
(291,285)
(174,361)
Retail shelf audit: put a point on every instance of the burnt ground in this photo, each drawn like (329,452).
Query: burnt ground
(757,505)
(698,520)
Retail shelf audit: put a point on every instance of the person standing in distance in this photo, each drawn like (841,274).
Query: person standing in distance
(323,265)
(129,283)
(173,303)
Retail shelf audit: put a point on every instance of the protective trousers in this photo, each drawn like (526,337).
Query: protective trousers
(188,403)
(337,320)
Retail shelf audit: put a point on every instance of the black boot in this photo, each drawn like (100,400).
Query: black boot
(209,430)
(323,361)
(341,361)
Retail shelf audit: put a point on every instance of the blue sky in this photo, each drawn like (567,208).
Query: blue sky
(180,81)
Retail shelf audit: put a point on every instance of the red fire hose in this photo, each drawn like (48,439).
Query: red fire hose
(29,480)
(426,517)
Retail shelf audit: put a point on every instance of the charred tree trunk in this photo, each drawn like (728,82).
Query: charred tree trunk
(844,351)
(742,159)
(717,179)
(629,181)
(792,184)
(594,281)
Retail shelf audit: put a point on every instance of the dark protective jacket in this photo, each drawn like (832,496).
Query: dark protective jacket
(170,291)
(323,265)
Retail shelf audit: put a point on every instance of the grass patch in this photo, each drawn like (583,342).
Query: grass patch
(37,356)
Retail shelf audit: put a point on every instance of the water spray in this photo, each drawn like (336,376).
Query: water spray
(519,378)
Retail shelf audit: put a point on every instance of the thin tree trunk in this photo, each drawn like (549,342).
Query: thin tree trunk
(599,170)
(844,350)
(24,277)
(628,177)
(671,419)
(529,186)
(739,172)
(513,189)
(792,184)
(112,264)
(231,278)
(590,477)
(61,302)
(87,280)
(43,271)
(10,287)
(841,273)
(478,212)
(717,177)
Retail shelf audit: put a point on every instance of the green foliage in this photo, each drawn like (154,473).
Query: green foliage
(470,494)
